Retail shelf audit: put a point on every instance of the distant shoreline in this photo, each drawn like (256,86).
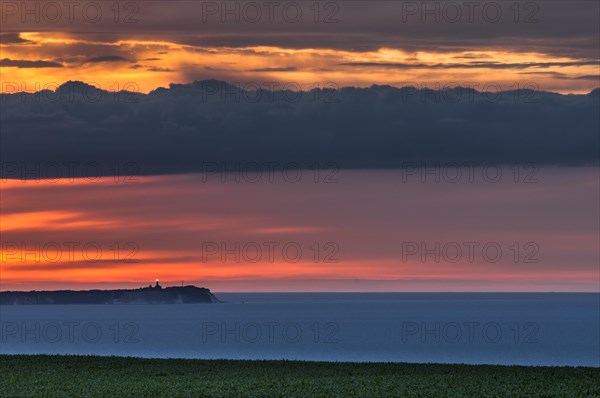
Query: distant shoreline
(146,295)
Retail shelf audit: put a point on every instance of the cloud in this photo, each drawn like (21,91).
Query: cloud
(560,28)
(563,76)
(283,69)
(427,64)
(18,63)
(472,65)
(12,38)
(151,68)
(107,58)
(158,69)
(183,128)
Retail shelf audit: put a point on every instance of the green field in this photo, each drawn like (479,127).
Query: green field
(92,376)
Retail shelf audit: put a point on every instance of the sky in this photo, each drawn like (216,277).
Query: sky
(121,121)
(365,230)
(142,45)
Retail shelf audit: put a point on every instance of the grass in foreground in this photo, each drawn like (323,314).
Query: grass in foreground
(93,376)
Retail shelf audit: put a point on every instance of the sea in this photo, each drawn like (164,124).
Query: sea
(559,329)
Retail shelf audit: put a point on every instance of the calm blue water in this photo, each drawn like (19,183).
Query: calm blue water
(526,329)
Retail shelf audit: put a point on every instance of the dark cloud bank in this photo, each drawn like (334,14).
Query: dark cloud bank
(188,127)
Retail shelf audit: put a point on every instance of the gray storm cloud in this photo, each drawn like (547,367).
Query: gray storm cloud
(184,127)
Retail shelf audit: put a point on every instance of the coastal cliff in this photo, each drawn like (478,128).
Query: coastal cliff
(147,295)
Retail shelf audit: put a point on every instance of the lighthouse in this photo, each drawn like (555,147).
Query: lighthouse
(157,286)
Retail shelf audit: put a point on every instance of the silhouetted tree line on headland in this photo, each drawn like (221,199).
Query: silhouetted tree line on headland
(147,295)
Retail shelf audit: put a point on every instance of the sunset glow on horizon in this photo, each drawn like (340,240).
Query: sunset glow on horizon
(305,198)
(144,66)
(536,80)
(152,44)
(103,233)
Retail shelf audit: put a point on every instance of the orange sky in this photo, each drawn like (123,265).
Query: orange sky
(176,228)
(146,65)
(164,221)
(145,45)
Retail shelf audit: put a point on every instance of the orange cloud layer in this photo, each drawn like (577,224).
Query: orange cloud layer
(144,65)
